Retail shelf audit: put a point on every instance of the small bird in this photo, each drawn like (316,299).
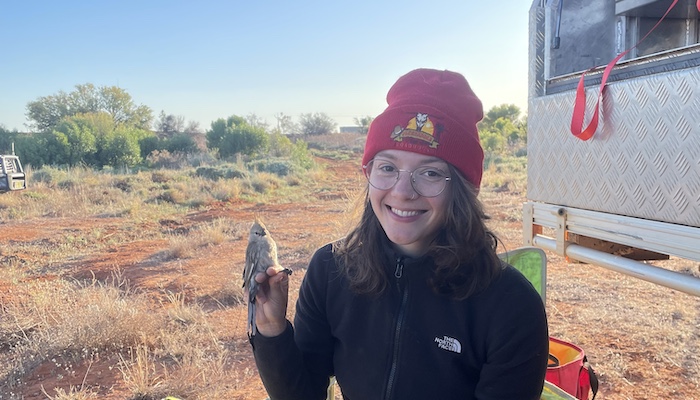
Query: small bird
(260,255)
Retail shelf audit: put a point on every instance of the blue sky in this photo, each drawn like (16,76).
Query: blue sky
(205,60)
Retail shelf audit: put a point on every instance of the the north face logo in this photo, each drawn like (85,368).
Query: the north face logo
(449,344)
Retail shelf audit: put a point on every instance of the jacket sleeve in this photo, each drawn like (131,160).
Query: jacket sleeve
(297,364)
(517,342)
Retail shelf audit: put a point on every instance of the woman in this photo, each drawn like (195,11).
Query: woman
(413,303)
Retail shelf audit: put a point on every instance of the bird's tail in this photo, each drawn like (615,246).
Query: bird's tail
(252,329)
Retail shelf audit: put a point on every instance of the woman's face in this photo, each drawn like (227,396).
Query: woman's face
(411,221)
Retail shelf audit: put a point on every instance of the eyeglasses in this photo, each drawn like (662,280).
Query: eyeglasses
(426,181)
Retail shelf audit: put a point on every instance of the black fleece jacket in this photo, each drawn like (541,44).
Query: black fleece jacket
(408,343)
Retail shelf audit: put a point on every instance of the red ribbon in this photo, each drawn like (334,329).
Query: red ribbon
(580,102)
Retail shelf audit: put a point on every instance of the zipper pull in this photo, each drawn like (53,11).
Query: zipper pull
(399,268)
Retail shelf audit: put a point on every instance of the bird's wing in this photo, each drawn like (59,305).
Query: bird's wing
(251,260)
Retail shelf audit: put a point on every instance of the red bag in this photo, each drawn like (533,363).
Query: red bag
(569,369)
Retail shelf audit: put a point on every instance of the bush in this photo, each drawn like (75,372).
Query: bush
(264,182)
(43,176)
(123,185)
(216,173)
(279,167)
(166,159)
(174,196)
(49,176)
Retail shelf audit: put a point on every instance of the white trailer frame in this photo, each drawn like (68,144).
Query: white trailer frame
(635,186)
(671,239)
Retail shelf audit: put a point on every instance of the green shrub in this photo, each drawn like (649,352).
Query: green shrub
(43,176)
(279,167)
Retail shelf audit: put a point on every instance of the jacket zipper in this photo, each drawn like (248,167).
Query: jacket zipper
(397,332)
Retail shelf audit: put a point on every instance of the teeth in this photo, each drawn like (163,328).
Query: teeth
(402,213)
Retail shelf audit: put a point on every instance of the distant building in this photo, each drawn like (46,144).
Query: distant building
(350,129)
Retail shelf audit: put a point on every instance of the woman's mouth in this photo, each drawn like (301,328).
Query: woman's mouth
(403,213)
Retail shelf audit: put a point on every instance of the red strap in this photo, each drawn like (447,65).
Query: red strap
(580,102)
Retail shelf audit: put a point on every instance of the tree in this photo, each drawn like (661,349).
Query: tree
(181,143)
(101,126)
(121,147)
(47,112)
(118,103)
(492,142)
(316,124)
(170,124)
(149,144)
(364,123)
(193,128)
(6,140)
(508,111)
(502,128)
(79,138)
(30,150)
(234,135)
(43,148)
(253,120)
(285,125)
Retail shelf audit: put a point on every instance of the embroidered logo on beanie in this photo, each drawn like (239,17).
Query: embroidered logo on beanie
(420,128)
(434,113)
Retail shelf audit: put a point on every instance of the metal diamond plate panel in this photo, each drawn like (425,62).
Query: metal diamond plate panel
(536,50)
(644,160)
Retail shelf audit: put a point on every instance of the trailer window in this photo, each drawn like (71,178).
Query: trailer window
(574,36)
(635,18)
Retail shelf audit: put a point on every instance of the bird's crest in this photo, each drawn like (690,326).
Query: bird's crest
(259,227)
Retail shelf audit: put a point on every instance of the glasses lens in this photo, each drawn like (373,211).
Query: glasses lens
(429,181)
(381,174)
(426,181)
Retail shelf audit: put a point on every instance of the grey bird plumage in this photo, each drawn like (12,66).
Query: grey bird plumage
(260,254)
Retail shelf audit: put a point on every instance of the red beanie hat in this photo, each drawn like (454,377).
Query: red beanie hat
(434,113)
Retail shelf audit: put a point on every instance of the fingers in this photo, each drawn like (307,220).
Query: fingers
(270,272)
(274,282)
(271,299)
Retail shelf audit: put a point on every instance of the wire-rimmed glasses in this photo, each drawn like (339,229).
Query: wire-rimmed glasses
(427,181)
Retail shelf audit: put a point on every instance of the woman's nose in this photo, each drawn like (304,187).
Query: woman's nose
(404,185)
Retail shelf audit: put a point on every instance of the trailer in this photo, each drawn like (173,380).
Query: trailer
(631,192)
(12,176)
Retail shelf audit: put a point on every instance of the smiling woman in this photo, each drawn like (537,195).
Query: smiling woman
(411,210)
(415,294)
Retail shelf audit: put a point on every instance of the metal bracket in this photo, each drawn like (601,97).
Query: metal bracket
(561,231)
(528,228)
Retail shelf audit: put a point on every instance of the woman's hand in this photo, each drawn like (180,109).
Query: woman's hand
(271,300)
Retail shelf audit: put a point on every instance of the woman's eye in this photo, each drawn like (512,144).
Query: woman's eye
(387,168)
(432,173)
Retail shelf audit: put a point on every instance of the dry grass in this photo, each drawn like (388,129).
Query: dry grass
(207,234)
(63,323)
(76,192)
(176,326)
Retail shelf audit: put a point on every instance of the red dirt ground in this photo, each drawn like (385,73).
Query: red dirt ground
(639,373)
